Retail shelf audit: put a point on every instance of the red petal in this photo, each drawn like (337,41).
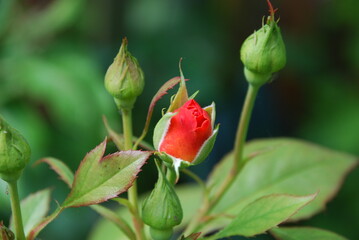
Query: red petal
(188,130)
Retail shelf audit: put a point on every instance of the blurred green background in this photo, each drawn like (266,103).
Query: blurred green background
(54,54)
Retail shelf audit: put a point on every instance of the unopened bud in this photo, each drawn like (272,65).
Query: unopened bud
(263,53)
(124,79)
(14,152)
(162,210)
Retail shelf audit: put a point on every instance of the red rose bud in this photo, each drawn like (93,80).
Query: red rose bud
(186,136)
(188,130)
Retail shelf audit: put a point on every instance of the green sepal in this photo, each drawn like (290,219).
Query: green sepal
(211,110)
(161,129)
(256,79)
(181,95)
(206,148)
(158,234)
(162,210)
(193,95)
(180,98)
(172,162)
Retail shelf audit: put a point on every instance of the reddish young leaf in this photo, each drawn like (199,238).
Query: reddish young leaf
(99,179)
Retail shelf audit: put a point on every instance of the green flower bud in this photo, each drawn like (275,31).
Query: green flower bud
(162,209)
(14,152)
(124,79)
(263,53)
(5,233)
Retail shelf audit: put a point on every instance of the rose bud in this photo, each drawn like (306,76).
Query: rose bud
(162,210)
(190,127)
(14,152)
(186,136)
(263,53)
(124,78)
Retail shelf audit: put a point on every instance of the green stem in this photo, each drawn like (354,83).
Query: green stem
(243,127)
(241,135)
(127,128)
(238,160)
(132,192)
(171,176)
(124,202)
(16,210)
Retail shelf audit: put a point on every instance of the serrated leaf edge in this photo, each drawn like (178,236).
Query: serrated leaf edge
(133,178)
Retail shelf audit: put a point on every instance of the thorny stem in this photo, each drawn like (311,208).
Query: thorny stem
(16,210)
(238,160)
(132,192)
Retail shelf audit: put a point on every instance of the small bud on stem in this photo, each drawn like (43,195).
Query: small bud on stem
(263,53)
(162,210)
(14,152)
(124,79)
